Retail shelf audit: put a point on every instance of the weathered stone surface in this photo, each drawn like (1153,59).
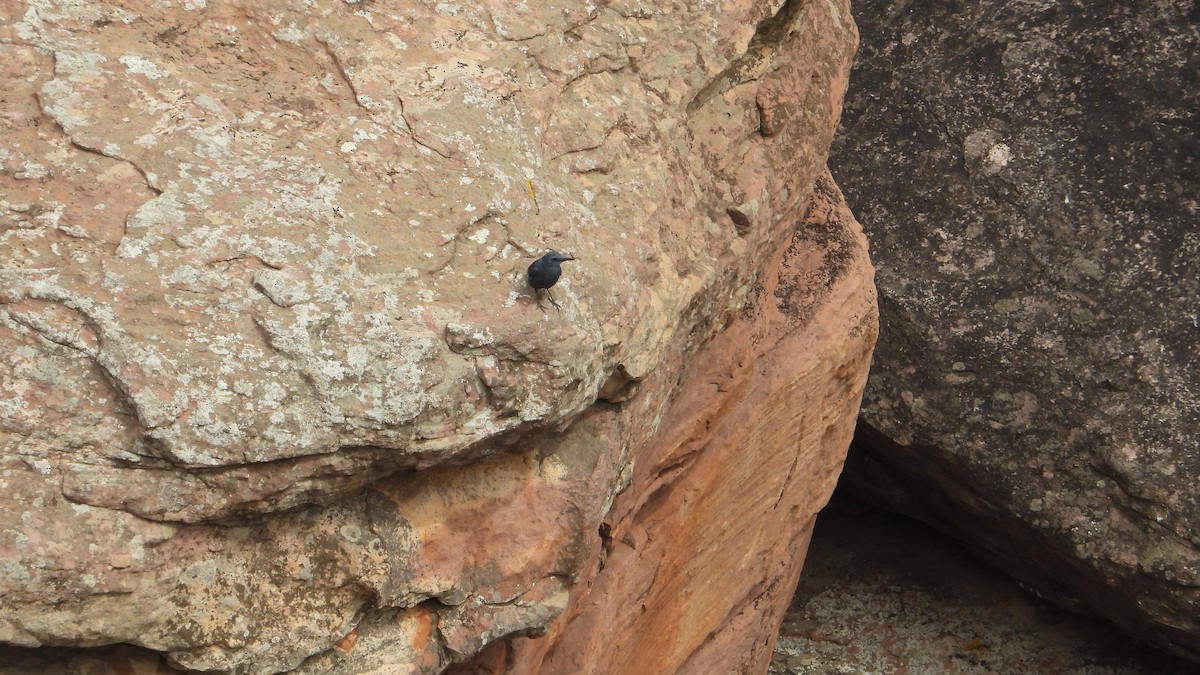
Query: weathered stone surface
(883,593)
(275,394)
(703,549)
(1028,175)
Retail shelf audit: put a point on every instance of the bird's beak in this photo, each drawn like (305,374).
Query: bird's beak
(569,257)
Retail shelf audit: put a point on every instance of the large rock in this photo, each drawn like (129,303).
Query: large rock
(749,450)
(276,395)
(1028,175)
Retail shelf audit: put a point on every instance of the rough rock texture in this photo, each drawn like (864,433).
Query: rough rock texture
(772,390)
(1028,174)
(883,593)
(275,395)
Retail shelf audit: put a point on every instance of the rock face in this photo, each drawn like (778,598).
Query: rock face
(277,397)
(883,593)
(1028,175)
(772,390)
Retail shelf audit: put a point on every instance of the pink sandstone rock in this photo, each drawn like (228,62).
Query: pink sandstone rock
(704,548)
(275,396)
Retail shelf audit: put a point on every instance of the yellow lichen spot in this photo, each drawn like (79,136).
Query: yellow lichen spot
(532,194)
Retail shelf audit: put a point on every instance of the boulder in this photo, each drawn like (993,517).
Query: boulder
(276,394)
(1027,175)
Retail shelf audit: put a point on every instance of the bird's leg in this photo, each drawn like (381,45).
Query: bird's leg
(552,300)
(537,293)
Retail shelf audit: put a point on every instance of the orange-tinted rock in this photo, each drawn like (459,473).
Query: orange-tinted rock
(703,549)
(271,373)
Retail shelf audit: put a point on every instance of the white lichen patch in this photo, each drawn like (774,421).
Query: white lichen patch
(65,105)
(292,34)
(985,154)
(145,226)
(30,170)
(139,65)
(282,288)
(999,155)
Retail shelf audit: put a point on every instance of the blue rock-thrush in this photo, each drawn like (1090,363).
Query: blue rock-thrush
(544,273)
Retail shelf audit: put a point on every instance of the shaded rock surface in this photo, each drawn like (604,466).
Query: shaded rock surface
(1028,174)
(277,397)
(882,593)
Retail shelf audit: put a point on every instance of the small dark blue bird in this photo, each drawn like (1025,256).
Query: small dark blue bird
(544,273)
